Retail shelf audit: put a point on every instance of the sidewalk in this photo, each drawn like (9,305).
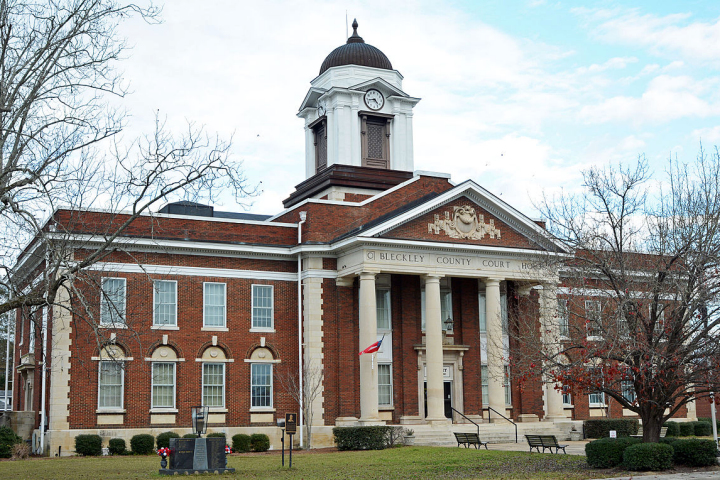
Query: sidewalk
(672,476)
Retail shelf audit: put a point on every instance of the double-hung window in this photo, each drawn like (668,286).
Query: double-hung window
(593,317)
(213,386)
(385,387)
(163,385)
(659,320)
(262,306)
(165,303)
(445,305)
(566,395)
(261,385)
(214,304)
(563,318)
(597,399)
(484,382)
(506,384)
(110,385)
(628,390)
(112,302)
(382,302)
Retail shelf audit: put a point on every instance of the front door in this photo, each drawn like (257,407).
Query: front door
(447,398)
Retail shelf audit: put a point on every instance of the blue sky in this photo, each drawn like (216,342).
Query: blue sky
(519,96)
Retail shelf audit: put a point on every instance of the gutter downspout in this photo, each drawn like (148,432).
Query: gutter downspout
(44,380)
(303,217)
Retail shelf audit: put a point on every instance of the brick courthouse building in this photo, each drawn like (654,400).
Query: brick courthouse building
(202,307)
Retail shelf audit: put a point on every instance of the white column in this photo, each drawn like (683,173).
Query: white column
(368,336)
(551,334)
(496,363)
(434,352)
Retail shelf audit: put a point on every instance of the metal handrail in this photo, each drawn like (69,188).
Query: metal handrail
(503,416)
(466,418)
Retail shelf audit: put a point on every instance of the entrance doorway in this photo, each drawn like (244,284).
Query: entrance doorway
(447,398)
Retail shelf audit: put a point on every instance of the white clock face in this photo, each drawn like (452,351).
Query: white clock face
(321,109)
(374,99)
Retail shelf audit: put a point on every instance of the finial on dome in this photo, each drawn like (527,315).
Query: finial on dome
(355,38)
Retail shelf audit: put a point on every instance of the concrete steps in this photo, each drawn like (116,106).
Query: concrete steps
(442,435)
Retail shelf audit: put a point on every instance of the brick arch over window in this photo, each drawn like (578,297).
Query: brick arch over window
(267,346)
(113,349)
(151,349)
(220,345)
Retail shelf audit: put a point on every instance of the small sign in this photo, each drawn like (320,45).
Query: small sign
(613,433)
(291,422)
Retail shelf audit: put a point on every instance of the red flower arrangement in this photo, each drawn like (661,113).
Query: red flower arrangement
(163,452)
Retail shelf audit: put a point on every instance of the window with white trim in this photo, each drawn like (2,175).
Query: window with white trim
(563,317)
(31,340)
(165,303)
(213,385)
(110,384)
(482,311)
(628,390)
(112,301)
(566,395)
(484,383)
(382,302)
(214,304)
(506,384)
(262,306)
(261,385)
(597,399)
(163,385)
(385,385)
(660,320)
(593,316)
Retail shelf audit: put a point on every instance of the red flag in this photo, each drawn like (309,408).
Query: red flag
(374,347)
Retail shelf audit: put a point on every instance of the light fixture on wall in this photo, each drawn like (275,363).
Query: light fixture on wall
(449,324)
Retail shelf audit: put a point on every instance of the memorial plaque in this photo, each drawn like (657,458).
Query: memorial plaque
(216,457)
(182,451)
(200,460)
(291,422)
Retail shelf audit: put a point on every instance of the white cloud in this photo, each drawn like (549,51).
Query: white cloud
(709,135)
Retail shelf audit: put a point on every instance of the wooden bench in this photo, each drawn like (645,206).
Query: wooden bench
(544,441)
(663,432)
(468,439)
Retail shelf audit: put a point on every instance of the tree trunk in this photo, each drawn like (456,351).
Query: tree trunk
(651,428)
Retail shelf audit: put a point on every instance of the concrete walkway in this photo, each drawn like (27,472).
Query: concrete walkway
(573,448)
(673,476)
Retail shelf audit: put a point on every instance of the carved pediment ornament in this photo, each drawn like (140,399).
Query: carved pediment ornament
(464,223)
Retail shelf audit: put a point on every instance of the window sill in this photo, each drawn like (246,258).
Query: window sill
(117,326)
(567,405)
(215,329)
(218,410)
(110,411)
(262,409)
(165,327)
(262,330)
(385,408)
(597,405)
(163,410)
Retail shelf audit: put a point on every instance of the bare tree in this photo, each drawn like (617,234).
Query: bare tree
(61,158)
(640,294)
(312,387)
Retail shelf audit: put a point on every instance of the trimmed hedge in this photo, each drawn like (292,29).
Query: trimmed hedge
(361,438)
(600,428)
(694,452)
(117,446)
(608,452)
(259,442)
(673,429)
(709,420)
(703,429)
(142,444)
(88,445)
(163,440)
(687,429)
(216,434)
(648,456)
(241,443)
(189,435)
(7,440)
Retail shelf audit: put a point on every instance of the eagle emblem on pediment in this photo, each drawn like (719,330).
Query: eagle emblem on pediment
(464,223)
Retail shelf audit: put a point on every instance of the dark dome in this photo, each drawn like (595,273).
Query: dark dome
(356,52)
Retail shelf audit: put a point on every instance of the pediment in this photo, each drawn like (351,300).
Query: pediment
(469,215)
(384,86)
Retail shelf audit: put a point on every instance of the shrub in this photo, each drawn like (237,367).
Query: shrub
(687,429)
(7,440)
(142,444)
(189,435)
(216,434)
(694,452)
(361,438)
(709,420)
(20,451)
(600,428)
(673,429)
(669,440)
(241,443)
(608,452)
(259,442)
(117,446)
(163,440)
(88,445)
(648,456)
(703,429)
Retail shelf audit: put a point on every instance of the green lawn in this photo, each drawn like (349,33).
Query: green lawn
(406,462)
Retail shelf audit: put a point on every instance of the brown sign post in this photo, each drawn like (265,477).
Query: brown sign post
(291,429)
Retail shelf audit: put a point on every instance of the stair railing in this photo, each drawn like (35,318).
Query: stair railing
(503,416)
(469,420)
